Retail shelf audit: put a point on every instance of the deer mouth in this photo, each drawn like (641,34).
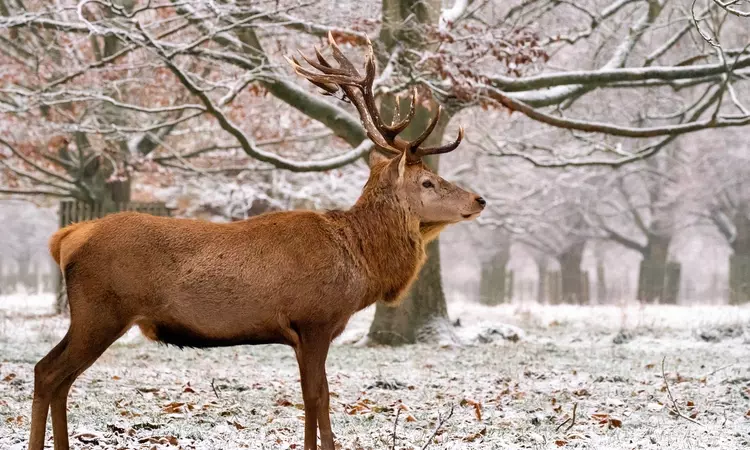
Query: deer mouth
(470,216)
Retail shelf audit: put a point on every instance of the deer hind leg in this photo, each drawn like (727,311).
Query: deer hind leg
(44,385)
(311,356)
(59,403)
(90,334)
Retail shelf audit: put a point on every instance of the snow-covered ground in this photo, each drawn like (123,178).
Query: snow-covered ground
(506,393)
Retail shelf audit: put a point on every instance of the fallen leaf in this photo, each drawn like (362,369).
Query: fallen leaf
(284,402)
(477,407)
(560,442)
(238,425)
(473,437)
(145,390)
(88,438)
(583,392)
(9,377)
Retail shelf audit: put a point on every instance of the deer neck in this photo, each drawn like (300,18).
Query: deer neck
(387,243)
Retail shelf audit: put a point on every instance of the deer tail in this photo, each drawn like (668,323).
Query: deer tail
(56,241)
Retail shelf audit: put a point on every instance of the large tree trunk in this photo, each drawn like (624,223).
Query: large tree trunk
(739,262)
(653,269)
(573,289)
(423,314)
(601,284)
(494,281)
(541,282)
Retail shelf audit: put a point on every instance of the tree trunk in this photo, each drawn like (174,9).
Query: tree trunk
(653,269)
(541,282)
(601,284)
(573,290)
(2,276)
(493,284)
(423,314)
(24,273)
(739,262)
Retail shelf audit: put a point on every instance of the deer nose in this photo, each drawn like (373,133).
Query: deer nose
(482,202)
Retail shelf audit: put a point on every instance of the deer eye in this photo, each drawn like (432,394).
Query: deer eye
(427,184)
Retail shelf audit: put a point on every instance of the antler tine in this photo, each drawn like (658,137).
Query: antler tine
(339,55)
(397,126)
(329,88)
(443,148)
(369,95)
(323,65)
(341,80)
(414,145)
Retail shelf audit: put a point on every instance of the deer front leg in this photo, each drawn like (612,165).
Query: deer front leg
(324,414)
(311,357)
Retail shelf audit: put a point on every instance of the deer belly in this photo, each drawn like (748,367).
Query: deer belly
(209,333)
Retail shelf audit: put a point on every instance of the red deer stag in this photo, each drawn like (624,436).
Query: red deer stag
(291,278)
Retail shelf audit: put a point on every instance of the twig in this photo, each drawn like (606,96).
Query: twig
(441,422)
(675,409)
(575,407)
(213,386)
(395,424)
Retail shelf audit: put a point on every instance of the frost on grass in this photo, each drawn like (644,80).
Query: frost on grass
(506,393)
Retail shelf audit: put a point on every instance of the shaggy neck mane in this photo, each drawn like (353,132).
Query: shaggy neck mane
(385,240)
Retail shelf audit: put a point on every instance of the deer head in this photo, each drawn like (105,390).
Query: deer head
(396,166)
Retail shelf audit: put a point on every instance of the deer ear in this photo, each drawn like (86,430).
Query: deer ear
(396,169)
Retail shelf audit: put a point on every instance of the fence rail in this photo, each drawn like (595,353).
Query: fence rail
(72,211)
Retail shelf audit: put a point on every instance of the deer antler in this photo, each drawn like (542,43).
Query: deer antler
(358,90)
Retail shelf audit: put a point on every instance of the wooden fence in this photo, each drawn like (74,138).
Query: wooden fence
(72,211)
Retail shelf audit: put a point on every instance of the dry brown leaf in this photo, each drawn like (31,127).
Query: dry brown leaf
(8,378)
(88,438)
(411,418)
(284,402)
(583,392)
(477,407)
(18,420)
(560,442)
(473,437)
(237,425)
(174,408)
(145,390)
